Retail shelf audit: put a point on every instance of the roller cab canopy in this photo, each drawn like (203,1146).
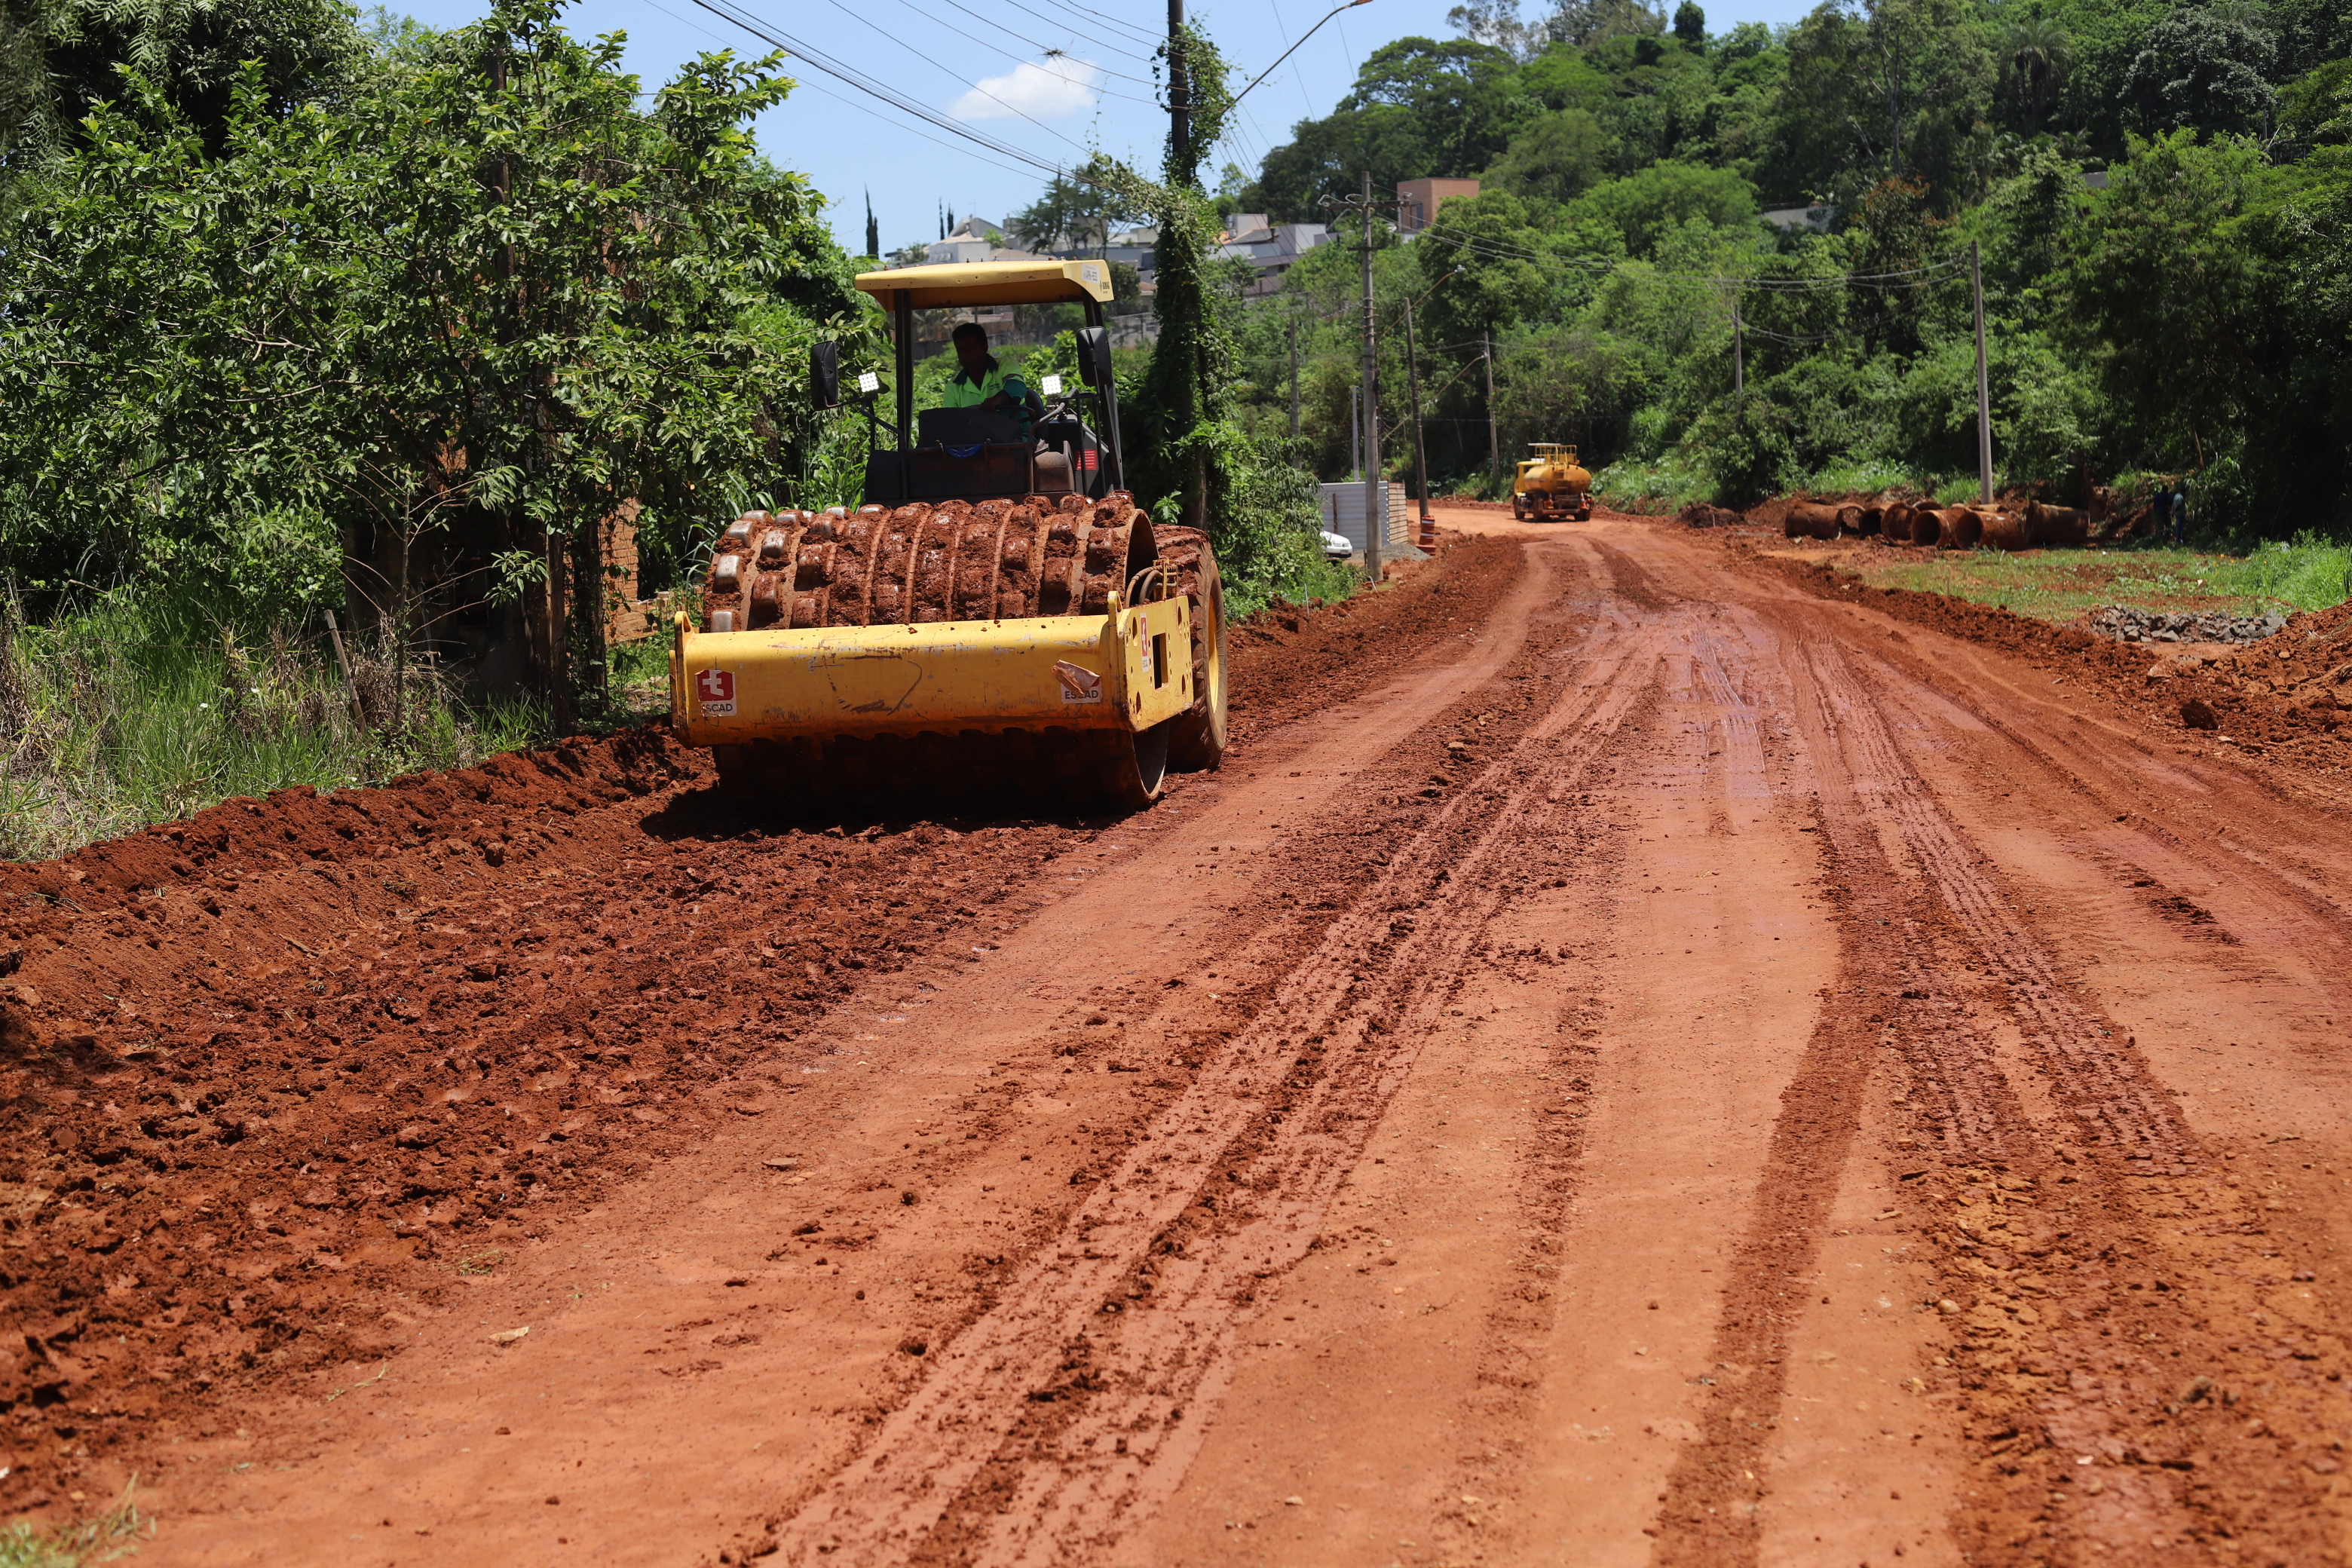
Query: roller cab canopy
(956,286)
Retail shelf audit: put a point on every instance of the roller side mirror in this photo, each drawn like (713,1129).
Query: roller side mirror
(1094,355)
(825,374)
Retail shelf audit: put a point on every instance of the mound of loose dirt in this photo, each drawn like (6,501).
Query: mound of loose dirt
(264,1066)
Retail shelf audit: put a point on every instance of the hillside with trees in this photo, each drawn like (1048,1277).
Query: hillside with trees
(2159,194)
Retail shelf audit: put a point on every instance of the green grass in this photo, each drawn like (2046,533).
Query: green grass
(2061,584)
(1861,476)
(1667,485)
(111,1536)
(136,710)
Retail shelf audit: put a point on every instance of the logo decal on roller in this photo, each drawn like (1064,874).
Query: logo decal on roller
(1077,685)
(715,691)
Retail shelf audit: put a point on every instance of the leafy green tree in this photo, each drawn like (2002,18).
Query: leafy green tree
(1690,24)
(2207,68)
(2036,51)
(2316,111)
(1555,158)
(188,56)
(469,315)
(1900,79)
(1647,205)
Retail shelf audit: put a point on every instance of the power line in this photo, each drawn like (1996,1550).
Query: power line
(1140,35)
(727,11)
(1056,21)
(1022,59)
(944,71)
(846,102)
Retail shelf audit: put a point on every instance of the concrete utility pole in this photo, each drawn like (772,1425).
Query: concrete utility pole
(1375,494)
(1738,357)
(1413,391)
(1375,497)
(1294,378)
(1494,432)
(1180,90)
(1984,384)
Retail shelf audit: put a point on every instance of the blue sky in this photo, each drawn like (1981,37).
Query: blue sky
(984,62)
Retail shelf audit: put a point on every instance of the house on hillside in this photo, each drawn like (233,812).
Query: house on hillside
(1418,201)
(1270,249)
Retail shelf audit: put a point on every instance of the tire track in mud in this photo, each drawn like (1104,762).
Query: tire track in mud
(2032,1296)
(2110,1087)
(1075,1404)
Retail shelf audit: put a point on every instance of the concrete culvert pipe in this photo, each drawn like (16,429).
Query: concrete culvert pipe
(1960,529)
(1811,520)
(2057,527)
(1894,527)
(1869,521)
(1927,526)
(2006,531)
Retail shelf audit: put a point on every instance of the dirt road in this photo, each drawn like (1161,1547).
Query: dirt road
(1634,1060)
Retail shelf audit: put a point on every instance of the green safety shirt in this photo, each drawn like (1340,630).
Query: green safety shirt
(963,392)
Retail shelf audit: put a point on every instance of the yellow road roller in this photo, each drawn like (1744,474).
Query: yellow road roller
(1552,486)
(996,625)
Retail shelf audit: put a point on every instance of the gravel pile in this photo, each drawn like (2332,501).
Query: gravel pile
(2125,624)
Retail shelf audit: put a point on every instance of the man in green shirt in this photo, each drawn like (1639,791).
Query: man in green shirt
(981,382)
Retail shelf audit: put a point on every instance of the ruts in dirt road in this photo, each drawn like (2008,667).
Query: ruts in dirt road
(1636,1059)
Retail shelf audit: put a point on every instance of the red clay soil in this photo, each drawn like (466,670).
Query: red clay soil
(256,1064)
(2289,694)
(1642,1055)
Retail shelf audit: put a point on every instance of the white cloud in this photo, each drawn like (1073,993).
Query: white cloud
(1045,90)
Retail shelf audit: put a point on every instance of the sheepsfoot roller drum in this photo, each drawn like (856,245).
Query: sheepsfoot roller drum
(964,657)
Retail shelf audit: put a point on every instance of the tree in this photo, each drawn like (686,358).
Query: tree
(469,316)
(189,57)
(1458,93)
(1886,71)
(1690,24)
(1646,207)
(2206,68)
(1555,158)
(2037,51)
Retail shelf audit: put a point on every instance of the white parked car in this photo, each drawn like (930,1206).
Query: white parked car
(1336,545)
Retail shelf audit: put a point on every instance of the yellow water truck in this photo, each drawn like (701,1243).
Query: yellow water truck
(1552,486)
(996,626)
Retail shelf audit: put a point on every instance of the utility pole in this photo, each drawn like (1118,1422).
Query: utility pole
(1180,90)
(1375,494)
(1375,497)
(1984,384)
(1413,391)
(1294,376)
(1738,357)
(1494,432)
(1356,433)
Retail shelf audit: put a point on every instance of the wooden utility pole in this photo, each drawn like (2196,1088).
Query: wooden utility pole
(1984,384)
(1413,391)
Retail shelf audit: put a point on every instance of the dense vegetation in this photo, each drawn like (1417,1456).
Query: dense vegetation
(2193,316)
(301,319)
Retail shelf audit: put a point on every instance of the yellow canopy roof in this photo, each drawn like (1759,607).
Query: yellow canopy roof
(957,284)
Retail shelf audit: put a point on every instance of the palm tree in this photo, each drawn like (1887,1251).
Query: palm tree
(2037,49)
